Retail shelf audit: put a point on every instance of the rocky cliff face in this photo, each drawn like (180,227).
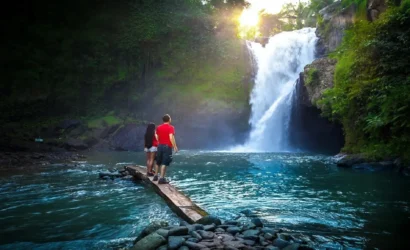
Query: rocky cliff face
(375,8)
(318,76)
(330,29)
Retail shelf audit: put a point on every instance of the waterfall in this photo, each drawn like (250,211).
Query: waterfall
(278,66)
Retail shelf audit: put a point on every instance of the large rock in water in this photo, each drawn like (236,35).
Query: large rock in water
(209,219)
(150,242)
(344,160)
(152,227)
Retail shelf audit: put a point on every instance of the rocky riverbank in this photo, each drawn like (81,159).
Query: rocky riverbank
(360,162)
(211,233)
(29,159)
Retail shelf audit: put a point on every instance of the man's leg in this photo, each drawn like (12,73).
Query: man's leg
(166,161)
(158,162)
(163,171)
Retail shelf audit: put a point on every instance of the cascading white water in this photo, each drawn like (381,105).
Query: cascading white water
(278,66)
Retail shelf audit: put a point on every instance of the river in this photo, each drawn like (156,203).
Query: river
(69,207)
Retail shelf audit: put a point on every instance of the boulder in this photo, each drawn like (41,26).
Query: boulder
(233,230)
(294,246)
(345,160)
(163,247)
(268,236)
(206,234)
(175,242)
(196,235)
(178,231)
(270,247)
(162,232)
(233,244)
(75,144)
(150,242)
(280,243)
(251,234)
(209,219)
(194,246)
(226,237)
(258,222)
(249,242)
(209,227)
(268,230)
(232,222)
(152,227)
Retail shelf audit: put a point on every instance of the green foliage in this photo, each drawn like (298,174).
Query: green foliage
(86,58)
(293,16)
(312,77)
(371,95)
(99,122)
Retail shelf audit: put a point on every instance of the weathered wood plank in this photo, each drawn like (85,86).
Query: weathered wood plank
(177,201)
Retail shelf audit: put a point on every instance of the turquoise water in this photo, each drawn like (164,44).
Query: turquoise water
(68,207)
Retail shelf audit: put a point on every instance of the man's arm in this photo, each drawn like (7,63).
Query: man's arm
(174,143)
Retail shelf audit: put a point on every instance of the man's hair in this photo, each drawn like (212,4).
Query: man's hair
(166,118)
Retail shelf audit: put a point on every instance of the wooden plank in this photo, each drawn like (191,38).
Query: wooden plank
(177,201)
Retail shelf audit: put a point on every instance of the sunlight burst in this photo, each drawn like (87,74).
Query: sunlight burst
(249,17)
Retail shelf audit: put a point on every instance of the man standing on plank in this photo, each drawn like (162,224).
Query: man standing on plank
(166,141)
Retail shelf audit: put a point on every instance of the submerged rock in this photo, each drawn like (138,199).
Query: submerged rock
(150,242)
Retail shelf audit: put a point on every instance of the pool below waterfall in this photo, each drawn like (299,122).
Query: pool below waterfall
(69,207)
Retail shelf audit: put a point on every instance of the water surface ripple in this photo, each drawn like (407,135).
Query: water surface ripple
(68,207)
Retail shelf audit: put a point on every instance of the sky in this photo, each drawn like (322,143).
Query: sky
(271,6)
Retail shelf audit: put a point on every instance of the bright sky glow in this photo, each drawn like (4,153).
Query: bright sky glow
(250,16)
(271,6)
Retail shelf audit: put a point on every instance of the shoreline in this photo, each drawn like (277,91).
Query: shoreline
(16,160)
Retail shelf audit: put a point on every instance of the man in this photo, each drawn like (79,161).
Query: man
(166,141)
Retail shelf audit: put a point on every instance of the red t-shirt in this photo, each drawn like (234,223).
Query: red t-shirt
(154,142)
(163,132)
